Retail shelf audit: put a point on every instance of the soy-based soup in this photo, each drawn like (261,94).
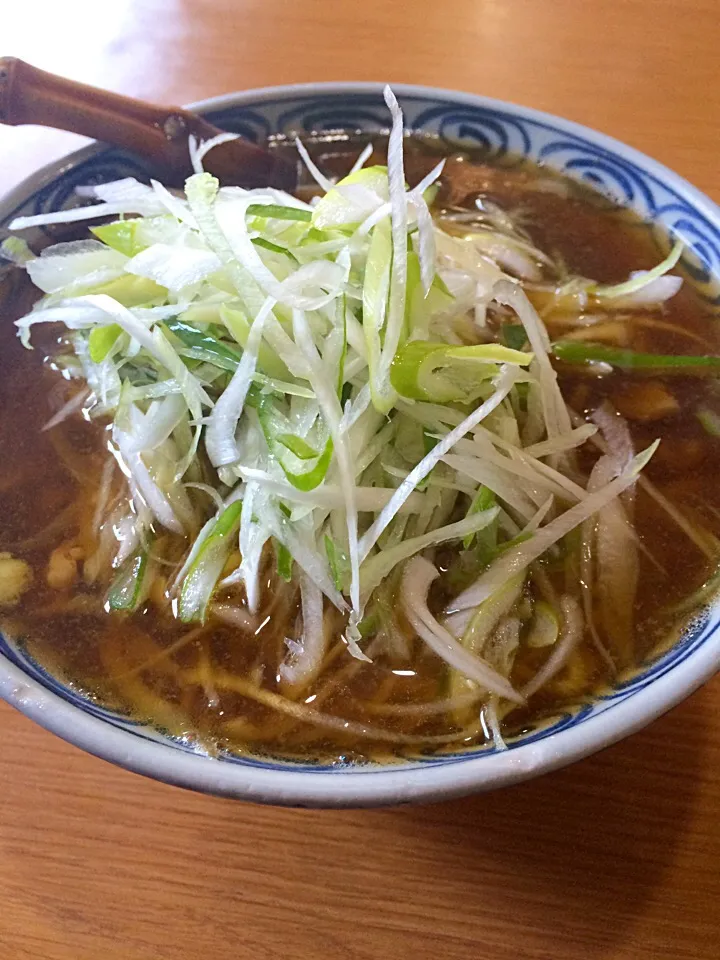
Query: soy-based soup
(102,604)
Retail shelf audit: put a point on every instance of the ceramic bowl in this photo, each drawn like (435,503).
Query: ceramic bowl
(663,199)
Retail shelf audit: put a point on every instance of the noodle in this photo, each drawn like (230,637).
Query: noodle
(121,628)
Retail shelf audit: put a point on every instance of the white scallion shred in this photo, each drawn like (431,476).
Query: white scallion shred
(513,561)
(503,386)
(222,424)
(417,578)
(317,176)
(644,278)
(200,149)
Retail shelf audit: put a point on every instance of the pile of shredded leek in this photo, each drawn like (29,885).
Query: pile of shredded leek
(328,375)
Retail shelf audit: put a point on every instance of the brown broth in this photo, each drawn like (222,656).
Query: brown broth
(200,683)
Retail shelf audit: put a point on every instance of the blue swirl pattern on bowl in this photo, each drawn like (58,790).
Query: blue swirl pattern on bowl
(504,136)
(501,135)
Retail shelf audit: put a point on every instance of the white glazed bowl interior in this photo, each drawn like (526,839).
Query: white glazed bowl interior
(659,196)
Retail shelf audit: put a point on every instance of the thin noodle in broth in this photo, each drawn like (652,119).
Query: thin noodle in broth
(132,584)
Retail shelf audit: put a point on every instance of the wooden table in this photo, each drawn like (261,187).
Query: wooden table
(616,857)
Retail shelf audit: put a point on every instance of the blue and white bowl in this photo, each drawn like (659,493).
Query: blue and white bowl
(669,205)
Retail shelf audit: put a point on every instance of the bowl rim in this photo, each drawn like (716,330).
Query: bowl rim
(47,173)
(358,786)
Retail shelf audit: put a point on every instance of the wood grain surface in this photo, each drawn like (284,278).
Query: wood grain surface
(617,857)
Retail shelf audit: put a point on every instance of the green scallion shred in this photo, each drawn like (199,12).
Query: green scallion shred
(484,499)
(338,563)
(101,340)
(204,346)
(305,480)
(440,373)
(274,248)
(127,590)
(572,351)
(200,580)
(120,235)
(276,211)
(284,561)
(301,448)
(514,335)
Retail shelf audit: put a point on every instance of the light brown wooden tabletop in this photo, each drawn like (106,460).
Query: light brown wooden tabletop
(617,857)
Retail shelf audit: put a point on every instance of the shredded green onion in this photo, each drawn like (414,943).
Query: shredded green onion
(442,374)
(203,346)
(572,351)
(277,212)
(284,561)
(202,575)
(347,384)
(128,589)
(642,279)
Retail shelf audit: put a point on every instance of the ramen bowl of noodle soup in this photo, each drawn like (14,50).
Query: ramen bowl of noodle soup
(398,488)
